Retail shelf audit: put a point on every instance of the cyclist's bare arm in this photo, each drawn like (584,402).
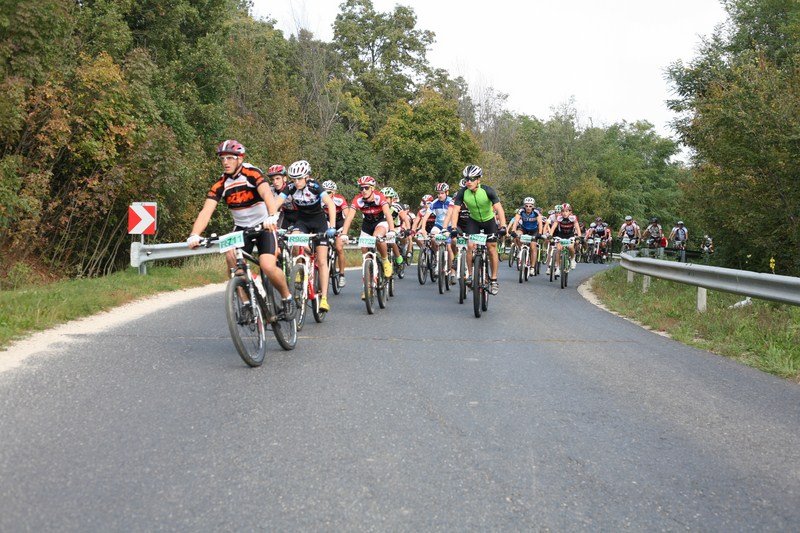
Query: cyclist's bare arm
(203,219)
(500,213)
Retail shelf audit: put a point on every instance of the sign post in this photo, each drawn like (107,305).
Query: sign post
(142,221)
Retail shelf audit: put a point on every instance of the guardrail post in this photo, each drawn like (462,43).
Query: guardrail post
(702,295)
(645,283)
(630,276)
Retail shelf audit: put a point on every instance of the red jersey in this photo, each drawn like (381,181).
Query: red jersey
(241,195)
(340,202)
(372,210)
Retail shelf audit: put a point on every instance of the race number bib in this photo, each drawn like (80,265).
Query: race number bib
(229,241)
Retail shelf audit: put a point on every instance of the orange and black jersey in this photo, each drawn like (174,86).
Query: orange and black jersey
(241,195)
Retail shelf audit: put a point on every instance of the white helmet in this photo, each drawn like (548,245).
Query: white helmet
(329,185)
(529,200)
(299,169)
(472,171)
(593,225)
(462,183)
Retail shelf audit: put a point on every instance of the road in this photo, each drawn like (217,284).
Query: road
(545,414)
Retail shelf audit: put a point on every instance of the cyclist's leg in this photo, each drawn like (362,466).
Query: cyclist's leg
(322,264)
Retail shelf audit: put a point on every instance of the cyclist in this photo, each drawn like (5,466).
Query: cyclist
(565,227)
(679,234)
(439,210)
(250,200)
(288,211)
(309,197)
(482,203)
(530,222)
(654,235)
(342,206)
(631,229)
(377,218)
(549,229)
(399,217)
(603,231)
(422,224)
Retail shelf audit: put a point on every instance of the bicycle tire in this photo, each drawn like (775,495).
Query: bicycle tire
(401,268)
(333,269)
(462,278)
(477,284)
(552,264)
(485,291)
(564,266)
(441,279)
(526,264)
(285,331)
(422,268)
(369,293)
(390,283)
(380,289)
(522,260)
(319,314)
(512,254)
(249,336)
(300,298)
(447,263)
(432,266)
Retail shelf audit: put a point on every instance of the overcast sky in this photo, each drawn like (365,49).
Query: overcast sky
(609,54)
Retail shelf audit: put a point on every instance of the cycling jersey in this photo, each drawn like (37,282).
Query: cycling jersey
(307,200)
(430,221)
(372,209)
(630,229)
(241,195)
(528,222)
(654,230)
(439,210)
(680,233)
(480,202)
(341,203)
(395,209)
(565,226)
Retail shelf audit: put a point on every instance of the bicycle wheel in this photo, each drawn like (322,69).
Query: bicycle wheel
(300,296)
(285,331)
(431,262)
(523,258)
(245,323)
(512,255)
(441,277)
(319,314)
(537,263)
(447,265)
(552,264)
(401,268)
(422,268)
(564,266)
(369,293)
(477,284)
(333,268)
(380,289)
(462,278)
(485,290)
(526,264)
(391,287)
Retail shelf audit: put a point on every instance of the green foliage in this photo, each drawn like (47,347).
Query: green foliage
(740,112)
(422,143)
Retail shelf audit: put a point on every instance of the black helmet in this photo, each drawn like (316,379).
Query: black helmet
(654,220)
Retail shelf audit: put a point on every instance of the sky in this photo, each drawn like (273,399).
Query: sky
(609,55)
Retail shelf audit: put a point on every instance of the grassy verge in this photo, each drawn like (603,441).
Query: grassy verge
(39,307)
(764,335)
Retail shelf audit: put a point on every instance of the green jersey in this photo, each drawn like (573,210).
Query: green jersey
(479,202)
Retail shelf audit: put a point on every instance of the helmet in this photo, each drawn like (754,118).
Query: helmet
(462,183)
(472,171)
(558,208)
(529,200)
(593,225)
(442,187)
(551,212)
(367,181)
(276,170)
(299,169)
(329,185)
(566,206)
(628,218)
(406,207)
(680,222)
(598,219)
(230,147)
(654,220)
(389,192)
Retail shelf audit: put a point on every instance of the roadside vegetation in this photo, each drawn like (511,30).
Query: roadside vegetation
(763,335)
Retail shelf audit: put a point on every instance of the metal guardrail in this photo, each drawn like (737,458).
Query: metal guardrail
(143,253)
(784,289)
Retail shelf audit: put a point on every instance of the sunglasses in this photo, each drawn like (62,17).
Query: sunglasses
(300,178)
(529,205)
(471,179)
(368,187)
(225,158)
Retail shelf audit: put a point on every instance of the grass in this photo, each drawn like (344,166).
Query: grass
(764,335)
(36,307)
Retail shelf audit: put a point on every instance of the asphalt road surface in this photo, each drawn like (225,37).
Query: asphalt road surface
(545,414)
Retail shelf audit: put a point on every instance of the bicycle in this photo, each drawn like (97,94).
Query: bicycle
(680,247)
(426,263)
(480,272)
(333,267)
(372,274)
(396,268)
(443,262)
(513,252)
(565,260)
(461,267)
(246,318)
(524,261)
(550,255)
(305,275)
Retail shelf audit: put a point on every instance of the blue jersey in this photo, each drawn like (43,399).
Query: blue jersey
(529,222)
(439,209)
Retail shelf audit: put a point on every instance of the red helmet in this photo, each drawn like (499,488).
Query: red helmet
(442,187)
(367,181)
(566,206)
(427,198)
(276,170)
(230,147)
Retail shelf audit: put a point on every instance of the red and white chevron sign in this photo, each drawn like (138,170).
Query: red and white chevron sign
(142,218)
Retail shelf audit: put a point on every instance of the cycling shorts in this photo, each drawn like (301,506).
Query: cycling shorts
(312,224)
(368,227)
(265,241)
(488,227)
